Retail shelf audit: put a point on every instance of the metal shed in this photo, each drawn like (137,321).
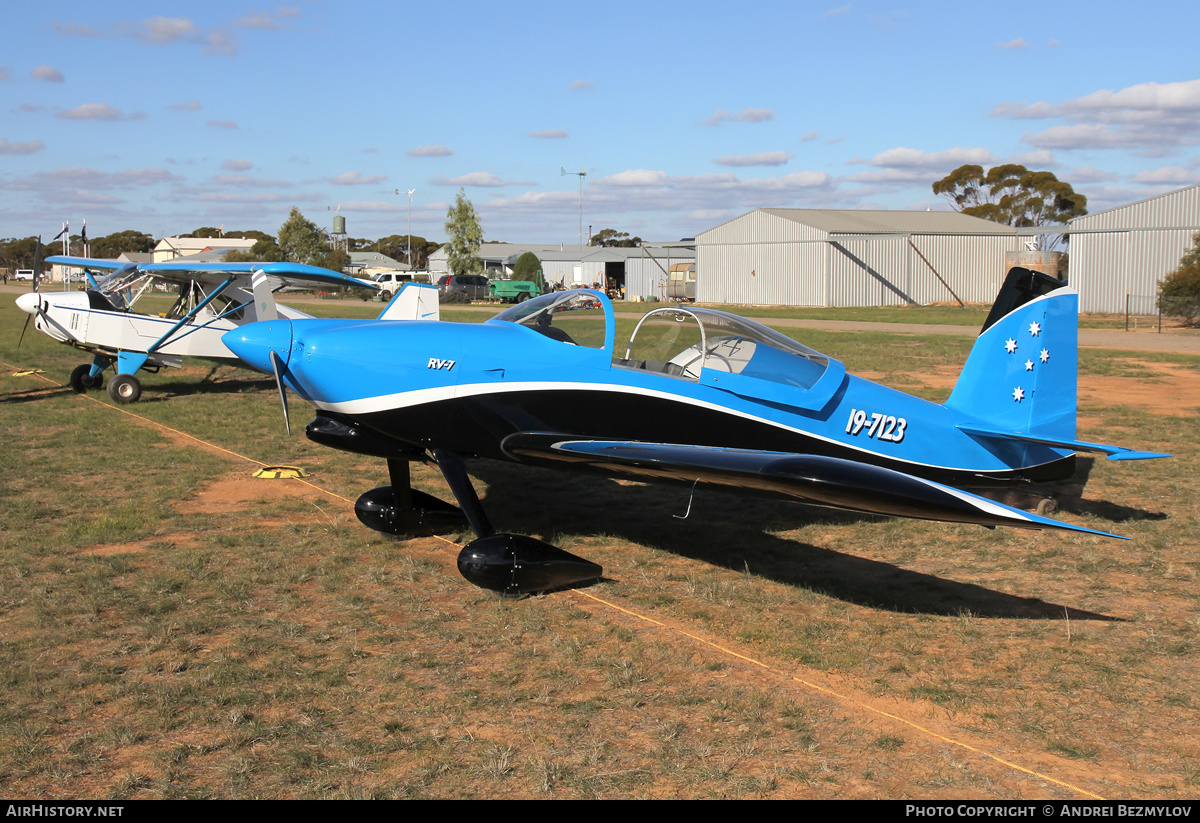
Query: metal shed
(824,257)
(1119,256)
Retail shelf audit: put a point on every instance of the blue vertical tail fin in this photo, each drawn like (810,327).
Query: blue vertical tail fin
(1021,375)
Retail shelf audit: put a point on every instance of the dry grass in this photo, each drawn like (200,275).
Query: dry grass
(173,630)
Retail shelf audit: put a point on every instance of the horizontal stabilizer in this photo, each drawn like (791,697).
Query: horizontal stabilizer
(1113,452)
(814,479)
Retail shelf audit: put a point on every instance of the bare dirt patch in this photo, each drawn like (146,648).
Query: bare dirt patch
(240,490)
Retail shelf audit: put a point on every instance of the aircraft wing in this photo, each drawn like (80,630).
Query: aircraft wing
(86,262)
(289,274)
(813,479)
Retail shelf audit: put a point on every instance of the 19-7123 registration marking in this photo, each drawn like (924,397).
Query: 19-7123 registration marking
(880,427)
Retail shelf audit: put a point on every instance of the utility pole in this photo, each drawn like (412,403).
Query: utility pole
(581,175)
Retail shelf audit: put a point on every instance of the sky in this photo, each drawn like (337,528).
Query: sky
(164,117)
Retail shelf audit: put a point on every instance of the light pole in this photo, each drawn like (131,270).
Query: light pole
(581,174)
(410,194)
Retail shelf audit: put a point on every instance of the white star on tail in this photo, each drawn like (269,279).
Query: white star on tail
(1018,394)
(1028,365)
(1035,329)
(1045,355)
(1010,346)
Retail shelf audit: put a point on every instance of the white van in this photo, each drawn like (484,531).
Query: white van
(25,274)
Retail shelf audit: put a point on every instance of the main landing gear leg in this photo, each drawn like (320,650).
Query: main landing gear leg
(402,510)
(511,564)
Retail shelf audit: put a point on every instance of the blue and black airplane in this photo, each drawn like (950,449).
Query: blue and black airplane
(696,395)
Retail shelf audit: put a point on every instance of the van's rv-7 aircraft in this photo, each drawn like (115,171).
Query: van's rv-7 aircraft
(697,395)
(212,299)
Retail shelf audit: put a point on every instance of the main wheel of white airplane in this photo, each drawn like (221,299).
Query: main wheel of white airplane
(82,380)
(125,388)
(385,295)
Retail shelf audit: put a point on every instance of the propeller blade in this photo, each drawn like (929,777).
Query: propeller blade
(28,317)
(37,264)
(277,366)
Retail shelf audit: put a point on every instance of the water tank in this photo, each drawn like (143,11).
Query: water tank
(339,224)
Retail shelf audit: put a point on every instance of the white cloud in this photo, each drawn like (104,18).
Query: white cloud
(80,177)
(246,181)
(552,134)
(191,105)
(1175,175)
(746,115)
(1151,118)
(580,85)
(635,177)
(765,158)
(96,111)
(354,178)
(222,124)
(810,136)
(430,151)
(918,159)
(838,12)
(237,165)
(162,30)
(77,30)
(1088,174)
(1019,43)
(478,178)
(166,31)
(27,147)
(47,73)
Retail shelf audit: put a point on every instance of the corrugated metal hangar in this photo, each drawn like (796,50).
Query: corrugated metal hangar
(822,257)
(1130,249)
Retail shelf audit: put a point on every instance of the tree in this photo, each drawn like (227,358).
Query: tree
(529,267)
(336,260)
(300,240)
(117,243)
(396,247)
(18,253)
(1012,194)
(263,251)
(1179,292)
(465,236)
(614,238)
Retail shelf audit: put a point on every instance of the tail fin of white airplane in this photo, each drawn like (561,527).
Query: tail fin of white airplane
(414,301)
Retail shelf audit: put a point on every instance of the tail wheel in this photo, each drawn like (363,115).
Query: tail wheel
(125,388)
(82,380)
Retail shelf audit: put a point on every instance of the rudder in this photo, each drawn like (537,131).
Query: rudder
(1021,374)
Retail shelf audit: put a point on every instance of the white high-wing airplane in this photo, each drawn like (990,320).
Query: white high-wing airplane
(211,299)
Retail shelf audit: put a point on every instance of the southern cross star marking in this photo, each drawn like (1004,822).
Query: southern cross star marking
(1028,365)
(1035,329)
(1045,355)
(1018,394)
(1010,346)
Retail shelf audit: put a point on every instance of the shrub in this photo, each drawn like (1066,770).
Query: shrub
(1179,292)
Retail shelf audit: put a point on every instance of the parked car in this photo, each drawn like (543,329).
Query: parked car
(24,274)
(390,281)
(472,286)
